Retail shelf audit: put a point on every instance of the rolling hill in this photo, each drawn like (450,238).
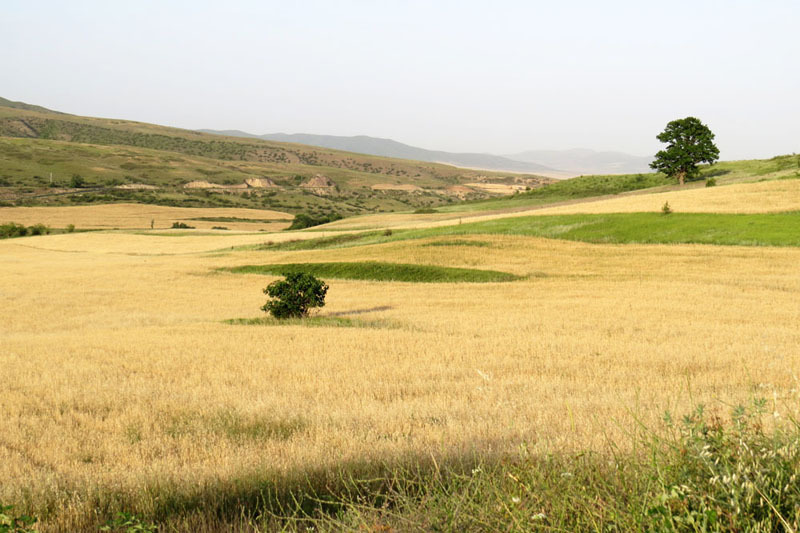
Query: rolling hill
(364,144)
(41,151)
(557,163)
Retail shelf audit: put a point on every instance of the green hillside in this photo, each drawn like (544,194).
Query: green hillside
(41,151)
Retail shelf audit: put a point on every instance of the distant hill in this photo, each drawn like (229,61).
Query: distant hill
(582,161)
(363,144)
(22,105)
(50,158)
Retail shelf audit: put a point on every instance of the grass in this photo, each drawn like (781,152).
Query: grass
(702,474)
(134,395)
(310,322)
(334,241)
(762,229)
(381,271)
(459,242)
(476,371)
(779,229)
(237,219)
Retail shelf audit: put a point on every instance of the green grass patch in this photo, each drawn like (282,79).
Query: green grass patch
(767,229)
(311,322)
(237,219)
(776,229)
(459,242)
(181,234)
(334,241)
(379,271)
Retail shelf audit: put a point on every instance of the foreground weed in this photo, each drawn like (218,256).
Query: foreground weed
(730,477)
(702,474)
(11,522)
(129,523)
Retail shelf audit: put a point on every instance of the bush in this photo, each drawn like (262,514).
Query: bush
(39,229)
(302,221)
(295,295)
(76,182)
(666,209)
(179,225)
(12,229)
(70,228)
(711,182)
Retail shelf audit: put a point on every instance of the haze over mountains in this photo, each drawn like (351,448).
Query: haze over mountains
(560,163)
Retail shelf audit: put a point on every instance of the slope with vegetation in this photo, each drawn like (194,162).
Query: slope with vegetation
(49,158)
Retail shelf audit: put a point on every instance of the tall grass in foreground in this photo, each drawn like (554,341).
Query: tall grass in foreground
(698,474)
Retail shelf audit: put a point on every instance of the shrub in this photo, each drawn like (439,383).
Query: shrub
(666,209)
(77,181)
(12,229)
(70,228)
(180,225)
(39,229)
(294,296)
(302,221)
(711,182)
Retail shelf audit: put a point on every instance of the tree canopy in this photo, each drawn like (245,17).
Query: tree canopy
(690,142)
(293,296)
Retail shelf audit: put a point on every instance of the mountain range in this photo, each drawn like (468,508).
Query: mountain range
(556,163)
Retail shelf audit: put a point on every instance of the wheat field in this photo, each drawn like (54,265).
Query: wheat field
(122,384)
(140,216)
(774,196)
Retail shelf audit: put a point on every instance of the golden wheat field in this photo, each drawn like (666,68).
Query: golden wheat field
(140,216)
(772,196)
(122,383)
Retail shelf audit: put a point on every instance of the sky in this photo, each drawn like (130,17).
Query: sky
(465,76)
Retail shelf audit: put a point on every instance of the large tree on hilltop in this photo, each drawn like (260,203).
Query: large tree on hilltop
(689,142)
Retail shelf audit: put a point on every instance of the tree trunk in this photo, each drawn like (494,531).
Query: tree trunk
(681,177)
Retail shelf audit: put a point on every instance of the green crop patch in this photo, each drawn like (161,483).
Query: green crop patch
(774,229)
(762,229)
(333,241)
(237,219)
(459,242)
(312,322)
(378,271)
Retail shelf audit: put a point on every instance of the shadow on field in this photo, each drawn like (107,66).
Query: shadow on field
(361,311)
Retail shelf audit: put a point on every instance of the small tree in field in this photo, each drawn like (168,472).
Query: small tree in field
(689,142)
(294,296)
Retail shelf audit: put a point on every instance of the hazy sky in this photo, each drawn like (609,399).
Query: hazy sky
(492,76)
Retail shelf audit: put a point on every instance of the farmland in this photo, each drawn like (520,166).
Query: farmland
(191,409)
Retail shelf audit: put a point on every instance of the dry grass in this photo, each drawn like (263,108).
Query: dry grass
(764,197)
(119,374)
(139,216)
(773,196)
